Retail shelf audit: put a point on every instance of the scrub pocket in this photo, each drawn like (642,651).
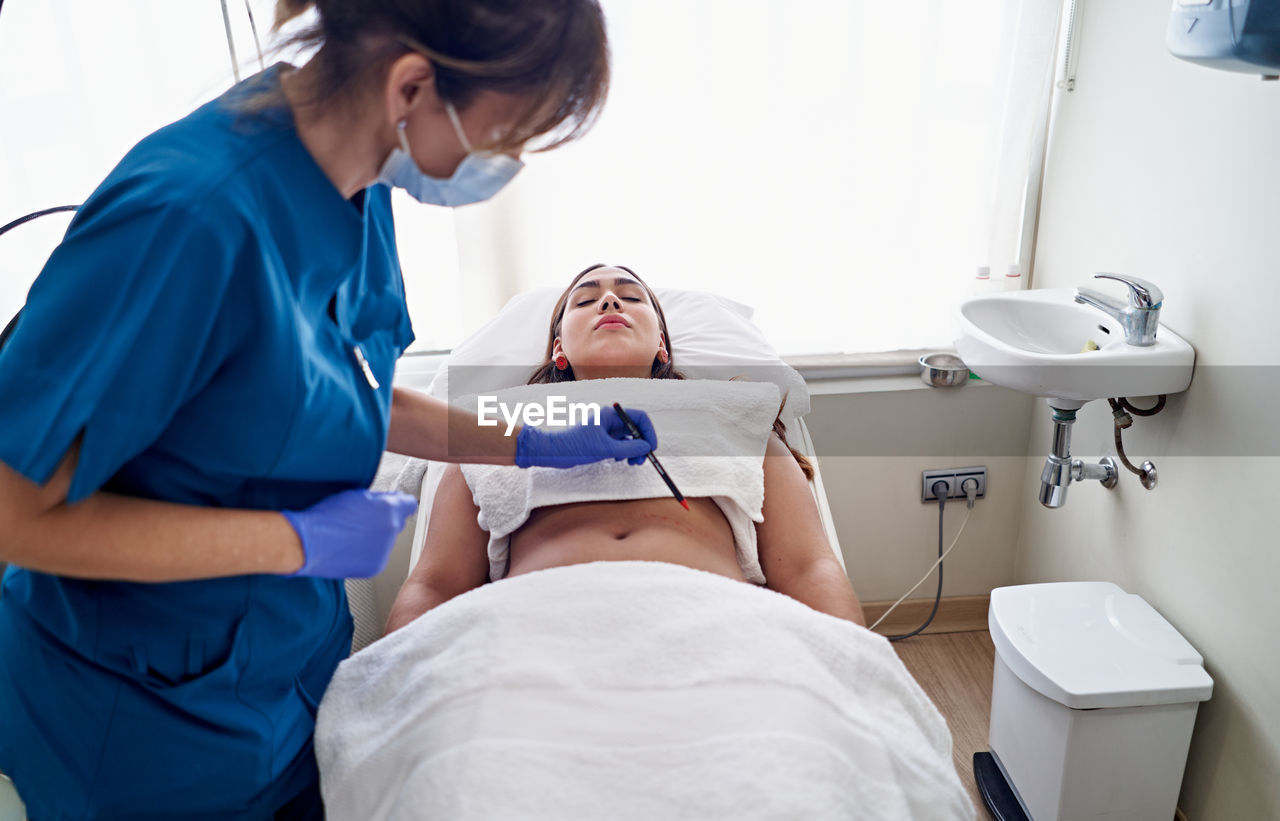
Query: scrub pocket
(180,735)
(84,738)
(168,667)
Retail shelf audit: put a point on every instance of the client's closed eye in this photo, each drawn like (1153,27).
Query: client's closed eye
(587,302)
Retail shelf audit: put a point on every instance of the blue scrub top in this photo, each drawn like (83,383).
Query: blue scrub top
(197,331)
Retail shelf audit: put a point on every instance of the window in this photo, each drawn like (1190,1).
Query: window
(829,162)
(826,161)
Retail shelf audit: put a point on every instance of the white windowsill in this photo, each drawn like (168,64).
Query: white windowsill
(829,374)
(826,374)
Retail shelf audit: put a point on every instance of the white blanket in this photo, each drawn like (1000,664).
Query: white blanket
(631,690)
(711,441)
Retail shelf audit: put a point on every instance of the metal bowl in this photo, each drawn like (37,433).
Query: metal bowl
(943,370)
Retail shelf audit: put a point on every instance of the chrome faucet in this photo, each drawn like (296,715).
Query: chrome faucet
(1140,318)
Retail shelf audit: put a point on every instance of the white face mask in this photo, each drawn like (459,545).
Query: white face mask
(477,178)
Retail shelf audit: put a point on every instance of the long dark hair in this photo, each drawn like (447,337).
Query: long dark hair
(556,50)
(547,372)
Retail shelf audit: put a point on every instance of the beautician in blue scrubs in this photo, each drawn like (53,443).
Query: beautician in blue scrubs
(199,390)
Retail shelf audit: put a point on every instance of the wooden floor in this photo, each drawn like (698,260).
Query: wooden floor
(954,669)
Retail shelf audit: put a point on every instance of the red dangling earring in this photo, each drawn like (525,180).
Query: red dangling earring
(663,357)
(562,362)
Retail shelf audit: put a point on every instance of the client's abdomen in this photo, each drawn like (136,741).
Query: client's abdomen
(658,530)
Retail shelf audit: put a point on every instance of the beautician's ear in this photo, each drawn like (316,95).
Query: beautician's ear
(556,349)
(411,82)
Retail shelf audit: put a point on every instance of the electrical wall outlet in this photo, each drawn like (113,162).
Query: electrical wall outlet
(954,478)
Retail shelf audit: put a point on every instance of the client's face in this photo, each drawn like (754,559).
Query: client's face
(610,327)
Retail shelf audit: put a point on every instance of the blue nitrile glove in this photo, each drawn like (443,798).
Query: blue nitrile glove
(349,535)
(584,444)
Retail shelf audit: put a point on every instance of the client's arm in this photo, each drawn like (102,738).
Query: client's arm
(794,552)
(454,556)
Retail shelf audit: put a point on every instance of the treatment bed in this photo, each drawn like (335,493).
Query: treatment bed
(623,689)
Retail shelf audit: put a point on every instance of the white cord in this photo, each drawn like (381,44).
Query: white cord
(968,512)
(231,44)
(262,63)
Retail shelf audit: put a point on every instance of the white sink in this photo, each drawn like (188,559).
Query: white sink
(1034,342)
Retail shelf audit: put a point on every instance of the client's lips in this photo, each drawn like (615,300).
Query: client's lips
(612,319)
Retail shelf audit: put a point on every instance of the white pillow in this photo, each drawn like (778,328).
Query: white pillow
(712,337)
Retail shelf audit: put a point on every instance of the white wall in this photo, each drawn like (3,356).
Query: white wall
(873,446)
(1171,171)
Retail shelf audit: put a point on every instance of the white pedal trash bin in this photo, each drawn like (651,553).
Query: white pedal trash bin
(1093,700)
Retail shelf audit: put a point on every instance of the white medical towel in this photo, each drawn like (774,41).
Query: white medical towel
(711,441)
(632,690)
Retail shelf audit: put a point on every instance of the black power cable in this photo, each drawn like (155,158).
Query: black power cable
(13,323)
(937,597)
(941,491)
(29,217)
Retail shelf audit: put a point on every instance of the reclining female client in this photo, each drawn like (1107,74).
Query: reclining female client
(608,323)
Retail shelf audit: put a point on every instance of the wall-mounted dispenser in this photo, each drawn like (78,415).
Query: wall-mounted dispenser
(1235,35)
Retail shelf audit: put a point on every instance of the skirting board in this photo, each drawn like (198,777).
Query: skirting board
(956,614)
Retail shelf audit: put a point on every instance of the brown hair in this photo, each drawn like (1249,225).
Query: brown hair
(548,372)
(557,50)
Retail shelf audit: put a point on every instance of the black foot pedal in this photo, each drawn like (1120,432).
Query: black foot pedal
(1001,802)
